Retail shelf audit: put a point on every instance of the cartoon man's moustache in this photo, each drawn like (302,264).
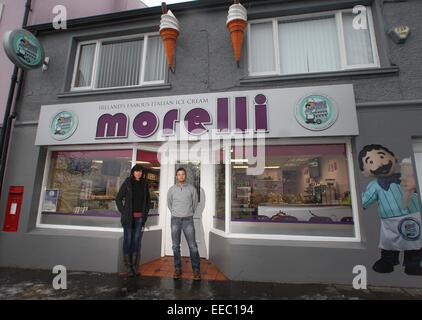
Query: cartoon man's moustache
(383,169)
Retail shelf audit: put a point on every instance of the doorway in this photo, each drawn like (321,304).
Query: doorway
(201,176)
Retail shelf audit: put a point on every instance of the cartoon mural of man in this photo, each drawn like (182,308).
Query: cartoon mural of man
(310,111)
(59,125)
(400,219)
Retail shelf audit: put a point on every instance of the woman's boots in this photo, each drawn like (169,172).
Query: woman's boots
(131,262)
(135,265)
(127,259)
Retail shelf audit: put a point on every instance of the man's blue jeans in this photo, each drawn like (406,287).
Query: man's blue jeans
(185,224)
(132,237)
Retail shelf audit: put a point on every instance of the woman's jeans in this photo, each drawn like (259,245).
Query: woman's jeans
(185,224)
(132,237)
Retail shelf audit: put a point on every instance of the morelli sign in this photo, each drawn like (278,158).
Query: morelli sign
(293,112)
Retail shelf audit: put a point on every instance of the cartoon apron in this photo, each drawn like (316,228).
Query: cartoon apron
(401,233)
(310,116)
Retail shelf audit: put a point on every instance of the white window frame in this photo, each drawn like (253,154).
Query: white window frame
(98,45)
(306,141)
(40,225)
(338,16)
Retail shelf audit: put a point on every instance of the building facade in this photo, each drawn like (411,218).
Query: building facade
(11,16)
(310,92)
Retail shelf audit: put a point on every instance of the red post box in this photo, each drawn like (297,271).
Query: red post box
(13,209)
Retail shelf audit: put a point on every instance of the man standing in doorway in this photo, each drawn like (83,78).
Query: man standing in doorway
(182,200)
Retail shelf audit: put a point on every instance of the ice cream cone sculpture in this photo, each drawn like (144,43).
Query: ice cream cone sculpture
(237,20)
(169,31)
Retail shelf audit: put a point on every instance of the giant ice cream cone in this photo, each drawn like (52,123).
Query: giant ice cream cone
(169,31)
(237,20)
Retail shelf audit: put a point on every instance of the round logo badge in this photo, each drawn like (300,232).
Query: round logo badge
(410,229)
(316,112)
(63,125)
(23,49)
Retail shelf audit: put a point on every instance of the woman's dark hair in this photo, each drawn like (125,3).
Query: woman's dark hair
(181,169)
(137,167)
(369,148)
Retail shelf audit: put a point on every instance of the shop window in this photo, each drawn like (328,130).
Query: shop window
(311,44)
(301,190)
(149,160)
(117,63)
(82,186)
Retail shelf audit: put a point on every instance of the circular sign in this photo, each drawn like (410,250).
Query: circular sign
(410,229)
(23,49)
(63,125)
(316,112)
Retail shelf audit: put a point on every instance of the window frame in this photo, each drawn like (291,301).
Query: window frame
(98,45)
(288,141)
(47,166)
(338,17)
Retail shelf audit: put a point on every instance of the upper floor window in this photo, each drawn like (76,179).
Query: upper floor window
(119,62)
(312,43)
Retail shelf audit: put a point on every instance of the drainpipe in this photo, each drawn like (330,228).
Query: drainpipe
(12,101)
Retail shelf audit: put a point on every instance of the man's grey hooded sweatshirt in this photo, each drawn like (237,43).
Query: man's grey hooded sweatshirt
(182,200)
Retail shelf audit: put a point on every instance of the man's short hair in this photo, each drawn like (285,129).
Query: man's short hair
(181,169)
(369,148)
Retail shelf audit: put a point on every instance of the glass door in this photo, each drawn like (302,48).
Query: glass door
(197,175)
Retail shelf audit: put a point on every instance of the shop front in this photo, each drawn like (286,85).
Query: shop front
(273,164)
(278,142)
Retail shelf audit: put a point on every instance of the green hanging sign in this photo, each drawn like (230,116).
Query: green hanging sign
(23,49)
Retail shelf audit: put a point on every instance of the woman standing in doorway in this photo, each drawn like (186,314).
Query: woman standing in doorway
(133,202)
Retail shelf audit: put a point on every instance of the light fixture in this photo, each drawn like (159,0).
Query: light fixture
(399,34)
(193,161)
(239,160)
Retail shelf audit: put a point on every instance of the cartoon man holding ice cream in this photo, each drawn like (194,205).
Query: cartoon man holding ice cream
(398,208)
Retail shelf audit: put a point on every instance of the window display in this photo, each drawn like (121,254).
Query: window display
(82,185)
(303,190)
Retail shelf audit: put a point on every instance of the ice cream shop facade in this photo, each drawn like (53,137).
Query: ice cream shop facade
(284,137)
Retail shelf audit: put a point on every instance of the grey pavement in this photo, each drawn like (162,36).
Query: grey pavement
(23,284)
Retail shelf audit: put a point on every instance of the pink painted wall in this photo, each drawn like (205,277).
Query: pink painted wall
(42,13)
(11,19)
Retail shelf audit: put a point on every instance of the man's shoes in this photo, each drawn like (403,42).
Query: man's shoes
(381,266)
(177,274)
(196,276)
(413,271)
